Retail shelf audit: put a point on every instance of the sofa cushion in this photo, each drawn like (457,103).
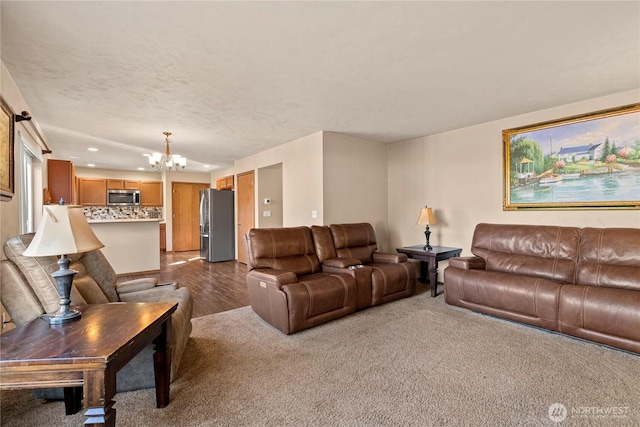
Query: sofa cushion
(610,257)
(601,314)
(526,299)
(548,252)
(354,241)
(289,249)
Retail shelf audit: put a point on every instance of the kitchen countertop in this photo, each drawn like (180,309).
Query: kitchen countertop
(121,220)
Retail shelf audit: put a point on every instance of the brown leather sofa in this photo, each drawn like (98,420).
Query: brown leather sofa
(286,285)
(583,282)
(300,277)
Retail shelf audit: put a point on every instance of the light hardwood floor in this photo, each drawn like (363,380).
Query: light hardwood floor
(215,286)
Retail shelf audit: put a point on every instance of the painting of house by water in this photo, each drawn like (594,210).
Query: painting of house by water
(588,161)
(580,153)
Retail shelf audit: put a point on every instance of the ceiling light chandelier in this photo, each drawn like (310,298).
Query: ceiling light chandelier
(168,161)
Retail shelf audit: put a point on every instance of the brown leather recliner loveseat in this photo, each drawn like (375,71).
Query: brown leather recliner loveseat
(583,282)
(298,279)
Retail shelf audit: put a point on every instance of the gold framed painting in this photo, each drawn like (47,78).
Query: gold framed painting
(7,171)
(590,161)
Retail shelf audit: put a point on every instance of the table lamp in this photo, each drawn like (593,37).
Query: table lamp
(426,217)
(63,230)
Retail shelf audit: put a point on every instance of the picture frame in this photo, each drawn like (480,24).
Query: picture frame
(589,161)
(7,169)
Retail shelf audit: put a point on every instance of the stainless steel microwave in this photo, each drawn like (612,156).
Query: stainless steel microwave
(123,197)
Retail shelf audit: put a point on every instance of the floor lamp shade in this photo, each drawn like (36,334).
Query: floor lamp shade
(63,230)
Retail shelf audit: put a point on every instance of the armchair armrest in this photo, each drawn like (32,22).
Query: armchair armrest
(340,262)
(468,263)
(149,295)
(272,277)
(136,285)
(385,258)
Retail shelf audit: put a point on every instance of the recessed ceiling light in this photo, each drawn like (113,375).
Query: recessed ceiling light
(207,166)
(140,169)
(91,165)
(74,157)
(147,155)
(92,149)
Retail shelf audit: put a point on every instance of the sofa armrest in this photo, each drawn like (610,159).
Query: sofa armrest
(149,295)
(136,285)
(385,258)
(468,263)
(272,277)
(340,262)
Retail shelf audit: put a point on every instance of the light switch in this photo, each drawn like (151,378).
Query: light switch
(266,213)
(314,214)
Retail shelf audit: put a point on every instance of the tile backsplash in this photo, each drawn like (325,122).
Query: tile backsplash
(121,212)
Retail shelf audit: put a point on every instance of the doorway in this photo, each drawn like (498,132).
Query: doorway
(246,210)
(185,198)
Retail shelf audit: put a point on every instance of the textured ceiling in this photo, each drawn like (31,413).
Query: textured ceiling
(230,79)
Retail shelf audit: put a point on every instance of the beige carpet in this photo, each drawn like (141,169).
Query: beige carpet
(415,362)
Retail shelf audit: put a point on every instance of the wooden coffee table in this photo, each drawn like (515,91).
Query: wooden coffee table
(429,261)
(87,353)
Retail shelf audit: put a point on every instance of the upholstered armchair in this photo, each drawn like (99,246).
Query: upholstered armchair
(341,246)
(27,291)
(286,285)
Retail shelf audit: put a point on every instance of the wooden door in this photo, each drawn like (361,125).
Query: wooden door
(245,193)
(185,197)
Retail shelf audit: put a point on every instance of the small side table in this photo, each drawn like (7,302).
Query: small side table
(429,260)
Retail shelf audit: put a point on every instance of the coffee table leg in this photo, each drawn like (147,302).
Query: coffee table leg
(162,364)
(99,389)
(72,400)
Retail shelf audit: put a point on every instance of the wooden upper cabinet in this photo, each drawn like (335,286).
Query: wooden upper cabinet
(92,191)
(131,185)
(61,181)
(150,193)
(224,183)
(122,184)
(115,184)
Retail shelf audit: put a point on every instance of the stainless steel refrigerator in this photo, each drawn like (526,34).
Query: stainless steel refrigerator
(217,231)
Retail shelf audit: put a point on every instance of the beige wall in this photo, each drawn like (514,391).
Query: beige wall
(270,187)
(118,174)
(459,174)
(301,178)
(355,183)
(10,211)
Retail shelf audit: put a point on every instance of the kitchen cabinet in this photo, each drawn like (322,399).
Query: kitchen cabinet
(163,237)
(92,191)
(150,193)
(122,184)
(61,181)
(131,185)
(224,183)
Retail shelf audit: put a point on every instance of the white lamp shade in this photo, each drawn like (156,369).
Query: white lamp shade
(426,217)
(63,230)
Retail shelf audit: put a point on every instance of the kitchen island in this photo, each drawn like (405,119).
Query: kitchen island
(130,245)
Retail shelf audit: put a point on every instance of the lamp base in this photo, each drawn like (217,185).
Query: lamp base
(59,318)
(427,235)
(64,282)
